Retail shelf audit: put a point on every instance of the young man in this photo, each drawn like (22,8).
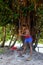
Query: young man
(27,40)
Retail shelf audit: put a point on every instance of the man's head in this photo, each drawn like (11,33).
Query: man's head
(23,27)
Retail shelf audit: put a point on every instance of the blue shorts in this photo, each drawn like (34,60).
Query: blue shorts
(28,40)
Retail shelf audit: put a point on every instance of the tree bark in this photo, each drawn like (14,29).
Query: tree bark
(4,36)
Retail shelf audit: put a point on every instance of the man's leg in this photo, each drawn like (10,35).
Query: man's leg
(30,57)
(24,49)
(30,48)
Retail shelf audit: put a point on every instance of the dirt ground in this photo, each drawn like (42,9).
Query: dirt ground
(9,57)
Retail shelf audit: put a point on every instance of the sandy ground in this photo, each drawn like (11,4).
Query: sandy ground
(11,58)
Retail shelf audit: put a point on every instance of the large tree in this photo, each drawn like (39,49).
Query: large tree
(24,11)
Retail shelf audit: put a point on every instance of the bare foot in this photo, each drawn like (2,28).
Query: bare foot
(29,58)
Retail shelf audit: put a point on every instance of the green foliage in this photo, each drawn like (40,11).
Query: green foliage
(4,18)
(16,16)
(37,0)
(1,1)
(31,7)
(6,14)
(8,37)
(40,10)
(26,9)
(41,41)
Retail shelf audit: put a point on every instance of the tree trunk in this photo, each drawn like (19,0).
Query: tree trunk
(4,36)
(11,40)
(14,42)
(12,35)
